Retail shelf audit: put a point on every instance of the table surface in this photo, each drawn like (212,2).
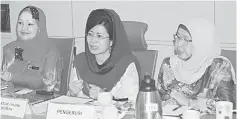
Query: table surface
(127,116)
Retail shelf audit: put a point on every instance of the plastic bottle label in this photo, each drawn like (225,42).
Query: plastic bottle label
(151,107)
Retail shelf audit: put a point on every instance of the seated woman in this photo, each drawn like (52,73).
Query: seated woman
(32,61)
(107,63)
(196,76)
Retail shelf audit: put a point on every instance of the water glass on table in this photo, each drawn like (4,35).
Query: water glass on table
(109,110)
(224,110)
(191,114)
(105,98)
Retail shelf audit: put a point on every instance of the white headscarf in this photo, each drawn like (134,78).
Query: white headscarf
(205,48)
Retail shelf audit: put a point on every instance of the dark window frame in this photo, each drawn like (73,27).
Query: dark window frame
(5,18)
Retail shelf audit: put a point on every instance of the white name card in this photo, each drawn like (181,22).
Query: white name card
(70,111)
(13,107)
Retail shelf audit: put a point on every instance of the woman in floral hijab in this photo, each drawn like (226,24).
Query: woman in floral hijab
(197,75)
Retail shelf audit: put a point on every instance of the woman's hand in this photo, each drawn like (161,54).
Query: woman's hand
(7,76)
(9,58)
(199,104)
(180,98)
(94,91)
(75,87)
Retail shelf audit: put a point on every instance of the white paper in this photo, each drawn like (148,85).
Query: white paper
(13,107)
(3,87)
(41,108)
(168,110)
(24,91)
(70,111)
(70,100)
(170,117)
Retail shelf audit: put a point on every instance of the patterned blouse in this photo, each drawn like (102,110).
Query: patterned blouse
(216,84)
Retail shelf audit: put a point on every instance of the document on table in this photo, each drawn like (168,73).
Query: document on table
(70,100)
(168,110)
(24,91)
(3,85)
(41,108)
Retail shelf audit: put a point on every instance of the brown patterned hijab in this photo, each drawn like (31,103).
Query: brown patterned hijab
(109,73)
(118,35)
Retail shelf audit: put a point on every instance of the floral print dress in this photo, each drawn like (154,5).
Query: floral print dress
(216,84)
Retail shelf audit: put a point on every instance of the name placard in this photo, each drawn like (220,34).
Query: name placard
(13,107)
(70,111)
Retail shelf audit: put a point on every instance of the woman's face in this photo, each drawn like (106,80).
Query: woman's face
(27,27)
(183,44)
(98,40)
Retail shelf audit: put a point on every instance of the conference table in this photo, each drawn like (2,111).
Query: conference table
(64,98)
(125,117)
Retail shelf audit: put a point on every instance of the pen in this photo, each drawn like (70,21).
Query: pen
(177,108)
(17,90)
(180,116)
(120,99)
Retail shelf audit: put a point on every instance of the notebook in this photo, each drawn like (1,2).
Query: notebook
(31,95)
(3,85)
(170,111)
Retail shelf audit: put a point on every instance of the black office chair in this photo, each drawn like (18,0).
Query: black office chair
(67,50)
(136,36)
(231,55)
(147,60)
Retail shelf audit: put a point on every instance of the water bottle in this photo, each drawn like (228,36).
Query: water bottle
(148,103)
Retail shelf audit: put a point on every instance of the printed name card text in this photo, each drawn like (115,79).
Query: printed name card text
(13,107)
(70,111)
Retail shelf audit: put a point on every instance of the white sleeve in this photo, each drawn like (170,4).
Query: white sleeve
(75,84)
(128,85)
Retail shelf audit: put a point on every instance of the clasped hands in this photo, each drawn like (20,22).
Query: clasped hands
(77,86)
(182,99)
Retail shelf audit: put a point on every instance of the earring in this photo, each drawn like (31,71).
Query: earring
(110,48)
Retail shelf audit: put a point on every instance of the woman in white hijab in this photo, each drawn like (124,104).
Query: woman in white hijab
(196,75)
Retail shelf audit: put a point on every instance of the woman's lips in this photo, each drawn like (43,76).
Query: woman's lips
(25,33)
(93,47)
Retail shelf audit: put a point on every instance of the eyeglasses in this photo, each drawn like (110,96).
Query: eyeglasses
(97,36)
(180,39)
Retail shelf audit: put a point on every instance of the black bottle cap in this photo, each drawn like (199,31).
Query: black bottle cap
(148,84)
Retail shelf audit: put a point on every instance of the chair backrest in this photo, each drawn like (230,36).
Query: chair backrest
(231,55)
(66,49)
(136,34)
(147,60)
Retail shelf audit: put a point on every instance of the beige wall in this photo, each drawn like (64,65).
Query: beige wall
(162,17)
(225,21)
(68,18)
